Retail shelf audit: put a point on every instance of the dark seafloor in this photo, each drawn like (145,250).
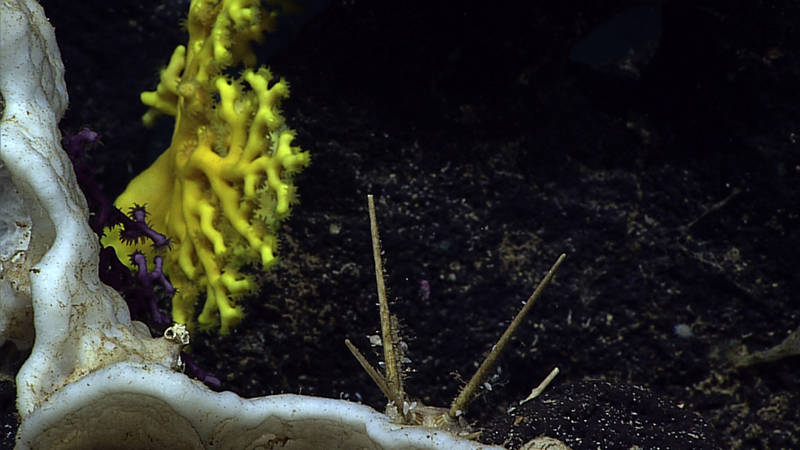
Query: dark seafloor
(656,143)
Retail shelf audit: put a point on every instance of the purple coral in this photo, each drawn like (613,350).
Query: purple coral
(76,146)
(146,279)
(193,370)
(135,227)
(138,288)
(104,213)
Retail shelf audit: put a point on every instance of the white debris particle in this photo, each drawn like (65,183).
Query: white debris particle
(375,340)
(683,331)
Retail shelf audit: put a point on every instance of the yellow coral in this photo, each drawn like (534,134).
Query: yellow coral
(220,189)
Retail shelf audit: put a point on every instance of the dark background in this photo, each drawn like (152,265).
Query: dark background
(669,175)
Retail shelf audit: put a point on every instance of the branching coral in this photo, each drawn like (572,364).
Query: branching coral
(224,184)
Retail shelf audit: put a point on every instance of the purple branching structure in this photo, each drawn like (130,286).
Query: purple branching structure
(103,210)
(146,279)
(135,228)
(193,370)
(139,288)
(104,213)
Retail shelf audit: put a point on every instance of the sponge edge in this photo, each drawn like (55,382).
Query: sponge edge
(81,324)
(16,311)
(29,42)
(129,405)
(33,96)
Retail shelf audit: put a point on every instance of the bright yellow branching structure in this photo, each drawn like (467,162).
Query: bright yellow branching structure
(221,188)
